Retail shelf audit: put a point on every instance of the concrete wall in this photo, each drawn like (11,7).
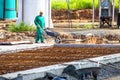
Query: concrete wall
(28,9)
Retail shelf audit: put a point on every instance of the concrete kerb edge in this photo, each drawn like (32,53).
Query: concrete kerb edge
(87,45)
(34,46)
(19,48)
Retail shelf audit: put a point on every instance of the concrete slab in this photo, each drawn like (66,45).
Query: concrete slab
(15,48)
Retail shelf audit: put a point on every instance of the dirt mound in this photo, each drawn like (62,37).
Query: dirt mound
(75,14)
(79,15)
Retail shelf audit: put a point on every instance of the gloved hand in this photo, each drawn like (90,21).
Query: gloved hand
(38,26)
(45,29)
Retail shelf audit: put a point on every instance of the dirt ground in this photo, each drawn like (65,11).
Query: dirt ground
(60,20)
(48,56)
(76,15)
(58,16)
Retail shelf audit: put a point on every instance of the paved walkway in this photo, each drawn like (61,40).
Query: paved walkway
(21,47)
(15,48)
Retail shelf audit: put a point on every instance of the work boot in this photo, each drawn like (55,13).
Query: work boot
(42,42)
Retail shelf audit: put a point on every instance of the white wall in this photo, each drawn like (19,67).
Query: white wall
(32,8)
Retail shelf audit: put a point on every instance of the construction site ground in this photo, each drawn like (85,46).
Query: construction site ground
(25,56)
(27,59)
(53,55)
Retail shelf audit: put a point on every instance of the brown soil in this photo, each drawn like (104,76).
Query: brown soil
(76,15)
(48,56)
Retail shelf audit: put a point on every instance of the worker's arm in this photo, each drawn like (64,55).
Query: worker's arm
(42,22)
(36,22)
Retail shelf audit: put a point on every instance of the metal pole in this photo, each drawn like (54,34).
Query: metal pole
(113,1)
(118,19)
(68,2)
(49,12)
(119,6)
(93,16)
(23,10)
(99,11)
(4,5)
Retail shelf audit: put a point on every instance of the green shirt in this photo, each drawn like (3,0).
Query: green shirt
(39,21)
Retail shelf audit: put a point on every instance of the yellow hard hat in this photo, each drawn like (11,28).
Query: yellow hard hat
(41,12)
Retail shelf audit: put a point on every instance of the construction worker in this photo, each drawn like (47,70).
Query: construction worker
(40,24)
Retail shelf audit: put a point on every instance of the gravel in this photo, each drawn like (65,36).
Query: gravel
(98,32)
(108,72)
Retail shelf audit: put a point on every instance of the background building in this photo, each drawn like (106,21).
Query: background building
(25,10)
(28,9)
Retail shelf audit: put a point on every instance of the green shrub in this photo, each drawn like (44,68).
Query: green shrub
(88,26)
(77,4)
(60,5)
(74,4)
(20,27)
